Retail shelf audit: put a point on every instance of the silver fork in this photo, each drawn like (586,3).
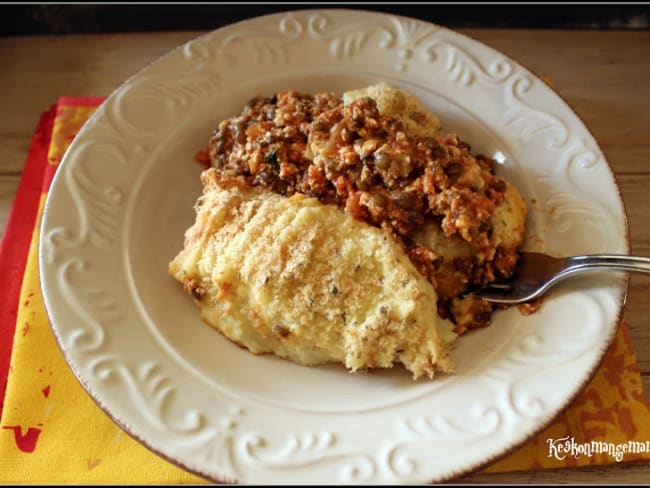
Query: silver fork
(535,273)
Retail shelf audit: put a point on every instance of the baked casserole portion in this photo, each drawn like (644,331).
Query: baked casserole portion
(349,229)
(308,282)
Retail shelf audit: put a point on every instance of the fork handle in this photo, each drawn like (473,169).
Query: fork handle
(621,262)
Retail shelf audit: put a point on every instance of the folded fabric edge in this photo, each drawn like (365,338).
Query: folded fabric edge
(81,101)
(17,237)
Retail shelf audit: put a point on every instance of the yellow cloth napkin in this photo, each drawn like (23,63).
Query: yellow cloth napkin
(52,432)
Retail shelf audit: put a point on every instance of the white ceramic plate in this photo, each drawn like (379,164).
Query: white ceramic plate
(123,197)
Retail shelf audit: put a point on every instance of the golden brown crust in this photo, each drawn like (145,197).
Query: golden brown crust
(275,278)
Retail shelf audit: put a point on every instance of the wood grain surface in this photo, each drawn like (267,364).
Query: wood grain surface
(603,75)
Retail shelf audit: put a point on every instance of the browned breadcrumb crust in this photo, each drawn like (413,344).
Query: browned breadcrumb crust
(364,162)
(266,272)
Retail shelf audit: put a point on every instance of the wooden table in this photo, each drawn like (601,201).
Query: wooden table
(603,75)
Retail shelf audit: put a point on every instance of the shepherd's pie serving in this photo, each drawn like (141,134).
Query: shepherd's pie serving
(347,229)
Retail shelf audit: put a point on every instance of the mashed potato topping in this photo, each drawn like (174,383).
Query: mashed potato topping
(308,282)
(391,102)
(368,178)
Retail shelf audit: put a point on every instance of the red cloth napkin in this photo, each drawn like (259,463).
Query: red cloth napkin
(17,237)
